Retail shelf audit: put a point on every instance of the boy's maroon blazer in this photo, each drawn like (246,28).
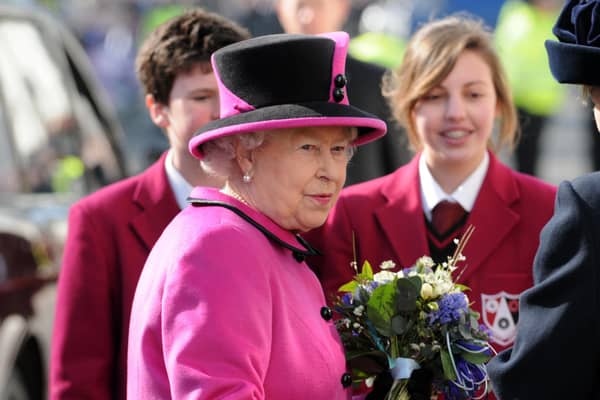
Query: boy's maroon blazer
(110,235)
(386,217)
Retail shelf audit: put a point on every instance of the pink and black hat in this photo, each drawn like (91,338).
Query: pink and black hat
(284,81)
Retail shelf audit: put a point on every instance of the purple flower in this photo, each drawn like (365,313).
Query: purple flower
(347,299)
(485,329)
(450,308)
(470,376)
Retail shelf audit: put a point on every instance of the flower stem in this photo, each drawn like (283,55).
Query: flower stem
(394,347)
(398,391)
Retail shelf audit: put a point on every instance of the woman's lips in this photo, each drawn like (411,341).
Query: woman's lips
(321,198)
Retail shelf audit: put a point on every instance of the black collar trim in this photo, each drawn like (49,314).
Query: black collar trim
(298,253)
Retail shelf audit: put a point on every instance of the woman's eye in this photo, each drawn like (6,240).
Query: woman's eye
(309,147)
(432,97)
(343,151)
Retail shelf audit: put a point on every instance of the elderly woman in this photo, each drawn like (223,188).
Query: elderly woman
(226,306)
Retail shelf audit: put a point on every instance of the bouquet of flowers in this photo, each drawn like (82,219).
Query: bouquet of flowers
(410,319)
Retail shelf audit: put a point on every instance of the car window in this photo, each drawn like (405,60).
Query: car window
(52,149)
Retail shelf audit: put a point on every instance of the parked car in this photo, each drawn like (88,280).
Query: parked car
(59,140)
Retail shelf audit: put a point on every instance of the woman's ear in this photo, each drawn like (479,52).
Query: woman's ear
(158,112)
(244,158)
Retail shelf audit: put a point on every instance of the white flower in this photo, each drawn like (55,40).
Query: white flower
(442,288)
(369,381)
(389,264)
(426,291)
(358,311)
(384,276)
(425,261)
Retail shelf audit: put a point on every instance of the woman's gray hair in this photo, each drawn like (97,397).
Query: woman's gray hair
(219,154)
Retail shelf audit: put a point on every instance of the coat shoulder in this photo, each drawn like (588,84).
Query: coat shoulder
(532,185)
(122,192)
(109,196)
(587,188)
(378,186)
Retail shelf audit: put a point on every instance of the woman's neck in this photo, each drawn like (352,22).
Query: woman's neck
(451,175)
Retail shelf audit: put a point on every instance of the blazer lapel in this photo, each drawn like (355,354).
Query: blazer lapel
(155,197)
(401,217)
(491,216)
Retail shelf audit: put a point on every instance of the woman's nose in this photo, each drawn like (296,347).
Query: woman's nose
(455,107)
(330,168)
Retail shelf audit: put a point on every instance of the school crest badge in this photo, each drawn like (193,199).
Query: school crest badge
(500,315)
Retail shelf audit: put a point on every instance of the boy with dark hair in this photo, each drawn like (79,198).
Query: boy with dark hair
(112,231)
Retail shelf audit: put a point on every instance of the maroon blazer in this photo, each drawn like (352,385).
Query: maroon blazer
(109,238)
(387,219)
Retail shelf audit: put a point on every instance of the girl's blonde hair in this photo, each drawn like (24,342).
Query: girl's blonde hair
(430,56)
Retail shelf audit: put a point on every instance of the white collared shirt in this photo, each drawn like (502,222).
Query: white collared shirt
(181,188)
(465,194)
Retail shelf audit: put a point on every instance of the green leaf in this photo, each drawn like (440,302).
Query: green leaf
(367,271)
(462,288)
(348,287)
(475,358)
(449,371)
(465,331)
(406,298)
(416,281)
(380,308)
(400,325)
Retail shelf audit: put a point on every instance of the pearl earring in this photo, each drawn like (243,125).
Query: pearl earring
(246,178)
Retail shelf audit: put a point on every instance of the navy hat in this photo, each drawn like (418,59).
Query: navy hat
(284,81)
(575,58)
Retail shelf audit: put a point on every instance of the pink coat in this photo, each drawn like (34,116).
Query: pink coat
(387,219)
(110,235)
(223,311)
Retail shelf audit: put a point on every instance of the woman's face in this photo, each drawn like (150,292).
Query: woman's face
(455,119)
(297,174)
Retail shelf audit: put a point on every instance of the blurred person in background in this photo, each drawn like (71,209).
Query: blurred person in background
(522,28)
(449,92)
(364,85)
(111,232)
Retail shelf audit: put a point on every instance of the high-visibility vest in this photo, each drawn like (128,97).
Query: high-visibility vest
(520,34)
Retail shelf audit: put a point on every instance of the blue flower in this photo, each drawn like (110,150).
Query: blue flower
(470,379)
(347,299)
(450,308)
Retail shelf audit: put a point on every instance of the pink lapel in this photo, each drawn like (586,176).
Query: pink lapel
(492,215)
(401,217)
(155,197)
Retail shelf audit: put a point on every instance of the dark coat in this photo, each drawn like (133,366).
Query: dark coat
(555,354)
(110,236)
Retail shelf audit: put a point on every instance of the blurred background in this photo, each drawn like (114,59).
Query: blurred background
(110,31)
(72,119)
